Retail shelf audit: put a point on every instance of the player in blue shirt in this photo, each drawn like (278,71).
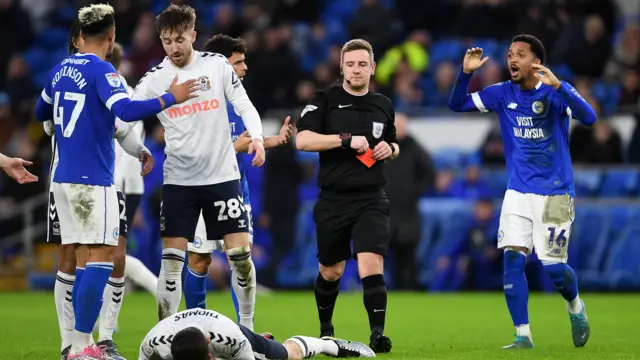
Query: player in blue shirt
(201,249)
(534,109)
(84,94)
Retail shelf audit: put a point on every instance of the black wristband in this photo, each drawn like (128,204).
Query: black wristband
(393,148)
(346,141)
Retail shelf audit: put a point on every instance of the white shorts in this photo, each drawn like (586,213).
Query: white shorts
(537,222)
(202,245)
(88,214)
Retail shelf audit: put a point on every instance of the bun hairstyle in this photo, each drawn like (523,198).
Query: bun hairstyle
(96,19)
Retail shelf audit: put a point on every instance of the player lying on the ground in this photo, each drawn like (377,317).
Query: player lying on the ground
(199,334)
(534,109)
(15,168)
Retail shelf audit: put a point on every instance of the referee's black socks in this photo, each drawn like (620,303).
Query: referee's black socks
(326,295)
(374,292)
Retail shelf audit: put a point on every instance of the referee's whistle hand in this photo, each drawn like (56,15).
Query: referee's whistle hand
(359,144)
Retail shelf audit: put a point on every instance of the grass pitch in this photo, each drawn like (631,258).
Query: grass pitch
(460,326)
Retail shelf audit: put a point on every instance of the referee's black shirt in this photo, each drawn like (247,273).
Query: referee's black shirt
(334,111)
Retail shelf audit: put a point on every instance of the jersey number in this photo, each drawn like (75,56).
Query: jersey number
(232,208)
(58,111)
(560,240)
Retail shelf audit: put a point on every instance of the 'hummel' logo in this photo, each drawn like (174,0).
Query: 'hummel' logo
(512,106)
(344,106)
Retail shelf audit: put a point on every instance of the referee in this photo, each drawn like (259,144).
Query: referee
(353,129)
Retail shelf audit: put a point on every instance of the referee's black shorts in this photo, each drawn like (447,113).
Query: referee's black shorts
(338,221)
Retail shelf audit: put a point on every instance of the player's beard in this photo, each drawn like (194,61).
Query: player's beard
(182,58)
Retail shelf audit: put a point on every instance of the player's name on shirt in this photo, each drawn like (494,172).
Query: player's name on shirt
(71,73)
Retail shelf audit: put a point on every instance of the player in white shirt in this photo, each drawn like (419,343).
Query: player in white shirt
(200,172)
(199,334)
(128,141)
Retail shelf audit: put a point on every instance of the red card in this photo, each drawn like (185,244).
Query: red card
(367,158)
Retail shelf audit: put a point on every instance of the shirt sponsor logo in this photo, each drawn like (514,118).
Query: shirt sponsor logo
(179,111)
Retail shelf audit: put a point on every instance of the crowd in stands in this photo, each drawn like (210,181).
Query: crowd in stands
(294,49)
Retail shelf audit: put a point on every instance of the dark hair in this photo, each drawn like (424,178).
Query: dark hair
(116,56)
(176,19)
(74,33)
(95,20)
(537,48)
(189,344)
(225,45)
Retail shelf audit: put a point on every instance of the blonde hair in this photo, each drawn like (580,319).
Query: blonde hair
(92,14)
(356,44)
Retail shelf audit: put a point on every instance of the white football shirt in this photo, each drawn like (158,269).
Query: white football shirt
(197,141)
(226,339)
(127,175)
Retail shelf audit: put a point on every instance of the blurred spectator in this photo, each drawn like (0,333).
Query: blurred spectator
(282,176)
(626,55)
(587,51)
(146,50)
(227,22)
(413,52)
(492,149)
(408,177)
(598,144)
(374,23)
(472,186)
(438,93)
(20,88)
(16,33)
(630,92)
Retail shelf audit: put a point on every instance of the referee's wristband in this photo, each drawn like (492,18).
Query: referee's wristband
(393,148)
(346,141)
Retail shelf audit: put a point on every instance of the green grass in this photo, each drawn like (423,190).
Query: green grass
(421,325)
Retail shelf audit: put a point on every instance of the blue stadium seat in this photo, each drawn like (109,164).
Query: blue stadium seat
(587,182)
(445,50)
(619,183)
(449,159)
(36,59)
(622,270)
(498,179)
(52,38)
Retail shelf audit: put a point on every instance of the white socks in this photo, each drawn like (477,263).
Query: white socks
(140,275)
(574,306)
(62,293)
(524,330)
(243,280)
(111,305)
(170,282)
(311,346)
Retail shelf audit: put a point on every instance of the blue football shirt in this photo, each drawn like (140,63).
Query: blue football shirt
(81,89)
(535,130)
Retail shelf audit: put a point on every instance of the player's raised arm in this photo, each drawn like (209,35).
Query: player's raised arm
(578,106)
(115,97)
(460,100)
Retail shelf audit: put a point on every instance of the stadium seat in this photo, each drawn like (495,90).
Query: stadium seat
(449,159)
(36,59)
(52,38)
(498,179)
(622,270)
(445,50)
(587,182)
(619,183)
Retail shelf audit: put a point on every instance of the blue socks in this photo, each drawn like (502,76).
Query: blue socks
(195,289)
(516,290)
(92,283)
(76,285)
(234,298)
(564,279)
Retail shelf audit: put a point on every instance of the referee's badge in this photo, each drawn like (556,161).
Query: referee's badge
(377,129)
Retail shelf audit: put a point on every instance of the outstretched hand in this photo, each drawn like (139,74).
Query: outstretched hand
(473,60)
(546,76)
